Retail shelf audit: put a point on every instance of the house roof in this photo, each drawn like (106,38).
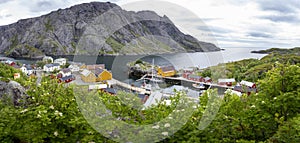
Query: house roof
(67,77)
(226,80)
(60,59)
(167,68)
(188,69)
(244,89)
(86,72)
(55,64)
(98,71)
(73,66)
(195,76)
(66,70)
(47,57)
(28,67)
(52,65)
(49,65)
(207,78)
(93,67)
(16,66)
(247,83)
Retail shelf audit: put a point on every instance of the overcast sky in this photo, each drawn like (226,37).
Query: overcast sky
(233,23)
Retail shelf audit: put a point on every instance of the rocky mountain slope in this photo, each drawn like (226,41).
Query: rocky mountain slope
(96,28)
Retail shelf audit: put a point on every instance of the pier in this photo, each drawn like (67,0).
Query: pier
(128,86)
(191,81)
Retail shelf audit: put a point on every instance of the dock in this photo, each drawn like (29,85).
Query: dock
(128,86)
(191,81)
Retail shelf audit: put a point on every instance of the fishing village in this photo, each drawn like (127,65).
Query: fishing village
(152,82)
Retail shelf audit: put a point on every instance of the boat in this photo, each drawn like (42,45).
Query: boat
(154,79)
(199,86)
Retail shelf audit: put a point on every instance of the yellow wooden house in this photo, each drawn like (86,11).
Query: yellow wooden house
(102,75)
(167,71)
(97,75)
(88,76)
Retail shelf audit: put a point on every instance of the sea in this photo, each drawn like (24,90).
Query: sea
(117,64)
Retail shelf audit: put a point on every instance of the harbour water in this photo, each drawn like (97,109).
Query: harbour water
(117,64)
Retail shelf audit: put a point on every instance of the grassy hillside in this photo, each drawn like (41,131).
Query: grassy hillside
(254,69)
(295,50)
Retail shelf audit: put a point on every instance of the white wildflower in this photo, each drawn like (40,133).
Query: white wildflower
(39,116)
(275,98)
(51,107)
(167,125)
(263,102)
(194,106)
(170,117)
(182,110)
(23,111)
(55,133)
(253,106)
(33,98)
(155,127)
(165,133)
(58,113)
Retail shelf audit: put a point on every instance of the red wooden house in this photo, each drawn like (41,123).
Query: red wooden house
(195,78)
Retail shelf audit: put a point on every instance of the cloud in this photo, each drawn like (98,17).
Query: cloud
(236,23)
(44,5)
(281,6)
(260,35)
(5,1)
(5,16)
(290,18)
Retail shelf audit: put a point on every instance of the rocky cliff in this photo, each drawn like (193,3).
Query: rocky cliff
(13,93)
(96,28)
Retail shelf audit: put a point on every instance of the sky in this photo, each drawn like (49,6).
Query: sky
(227,23)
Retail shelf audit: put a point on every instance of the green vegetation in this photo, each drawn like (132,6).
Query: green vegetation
(252,69)
(48,25)
(14,44)
(295,50)
(7,74)
(52,114)
(116,46)
(33,52)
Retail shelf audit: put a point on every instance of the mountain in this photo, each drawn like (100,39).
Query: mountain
(96,28)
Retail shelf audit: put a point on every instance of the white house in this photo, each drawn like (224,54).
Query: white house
(51,67)
(61,61)
(74,68)
(65,72)
(27,69)
(247,83)
(47,59)
(227,82)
